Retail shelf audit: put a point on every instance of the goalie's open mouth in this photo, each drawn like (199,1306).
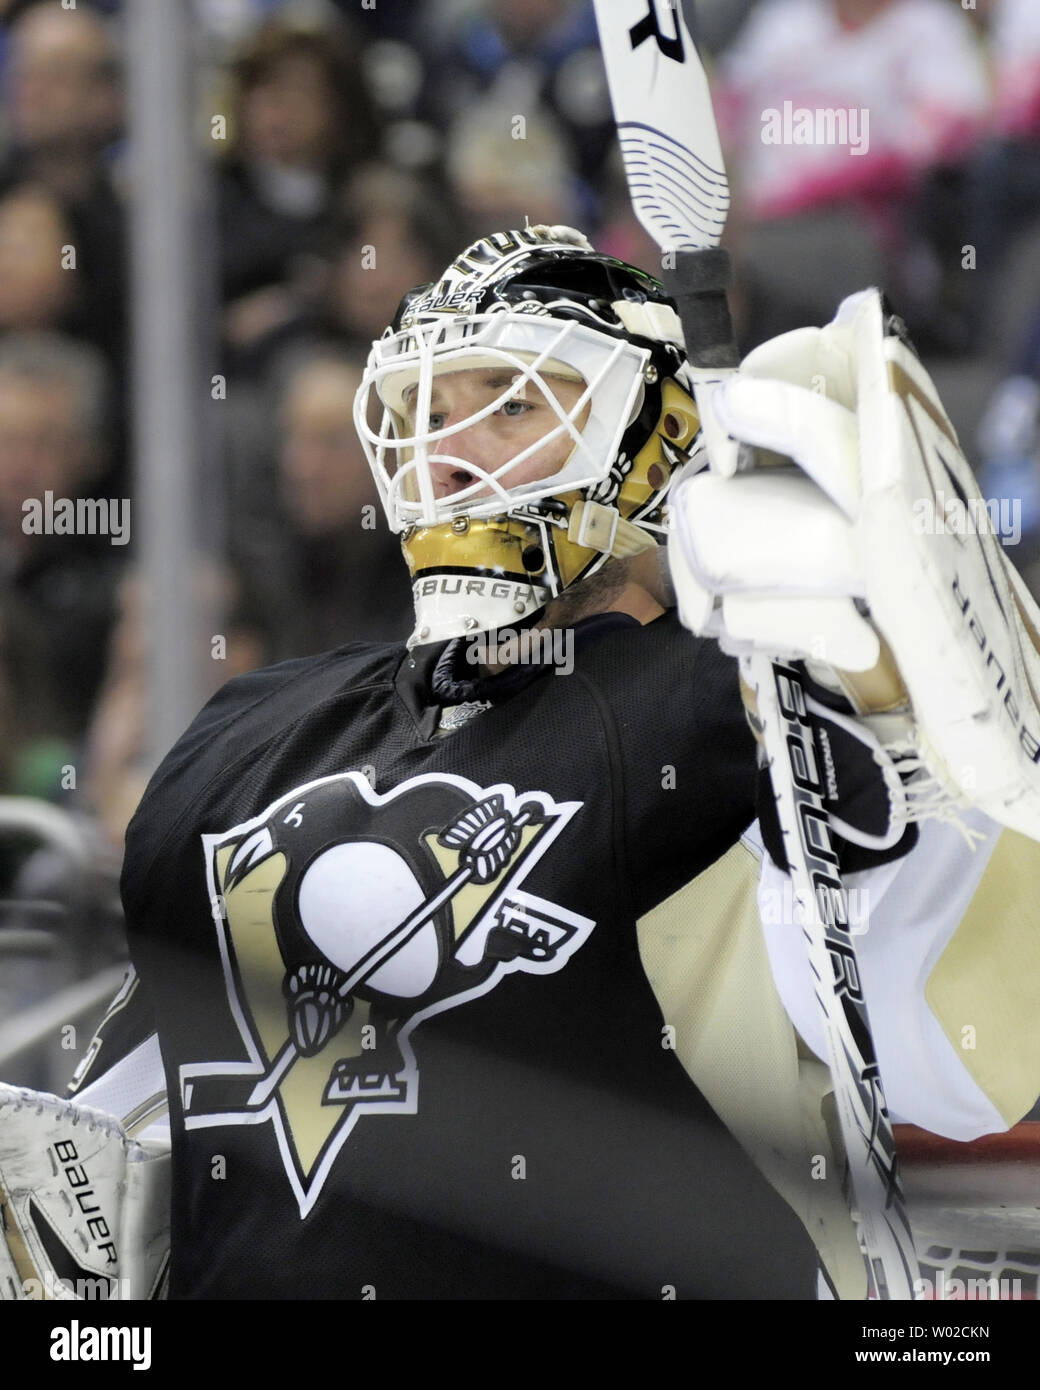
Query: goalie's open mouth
(449,480)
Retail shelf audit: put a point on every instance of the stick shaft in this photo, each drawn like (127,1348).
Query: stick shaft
(679,192)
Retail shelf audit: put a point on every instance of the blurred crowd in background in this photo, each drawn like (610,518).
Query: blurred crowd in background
(363,146)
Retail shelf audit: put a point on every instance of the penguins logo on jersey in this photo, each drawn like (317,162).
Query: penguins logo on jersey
(345,918)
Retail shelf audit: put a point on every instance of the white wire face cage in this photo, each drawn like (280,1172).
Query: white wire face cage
(532,348)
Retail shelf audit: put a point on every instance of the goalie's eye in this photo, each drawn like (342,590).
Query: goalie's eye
(458,395)
(509,410)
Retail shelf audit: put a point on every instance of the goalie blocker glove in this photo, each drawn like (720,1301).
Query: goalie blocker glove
(874,560)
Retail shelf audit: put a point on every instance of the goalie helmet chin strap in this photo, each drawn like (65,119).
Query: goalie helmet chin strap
(604,529)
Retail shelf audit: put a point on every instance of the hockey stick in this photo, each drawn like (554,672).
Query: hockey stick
(680,194)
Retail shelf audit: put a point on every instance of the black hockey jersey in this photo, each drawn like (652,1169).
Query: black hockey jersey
(410,1047)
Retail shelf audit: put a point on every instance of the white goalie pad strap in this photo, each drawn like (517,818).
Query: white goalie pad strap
(85,1208)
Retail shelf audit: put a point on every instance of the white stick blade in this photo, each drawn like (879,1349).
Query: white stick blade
(666,125)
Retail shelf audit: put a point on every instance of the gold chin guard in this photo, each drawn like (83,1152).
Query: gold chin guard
(510,547)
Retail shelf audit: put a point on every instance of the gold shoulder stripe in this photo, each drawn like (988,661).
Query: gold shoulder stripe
(706,960)
(985,987)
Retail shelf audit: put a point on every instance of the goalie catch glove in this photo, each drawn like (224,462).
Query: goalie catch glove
(84,1210)
(868,553)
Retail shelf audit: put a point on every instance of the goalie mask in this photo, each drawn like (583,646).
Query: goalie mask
(523,418)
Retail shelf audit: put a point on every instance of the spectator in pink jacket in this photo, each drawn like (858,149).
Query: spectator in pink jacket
(835,114)
(831,100)
(1015,46)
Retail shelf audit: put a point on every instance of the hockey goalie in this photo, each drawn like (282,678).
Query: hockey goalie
(464,981)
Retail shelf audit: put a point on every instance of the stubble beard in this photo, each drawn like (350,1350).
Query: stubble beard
(589,596)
